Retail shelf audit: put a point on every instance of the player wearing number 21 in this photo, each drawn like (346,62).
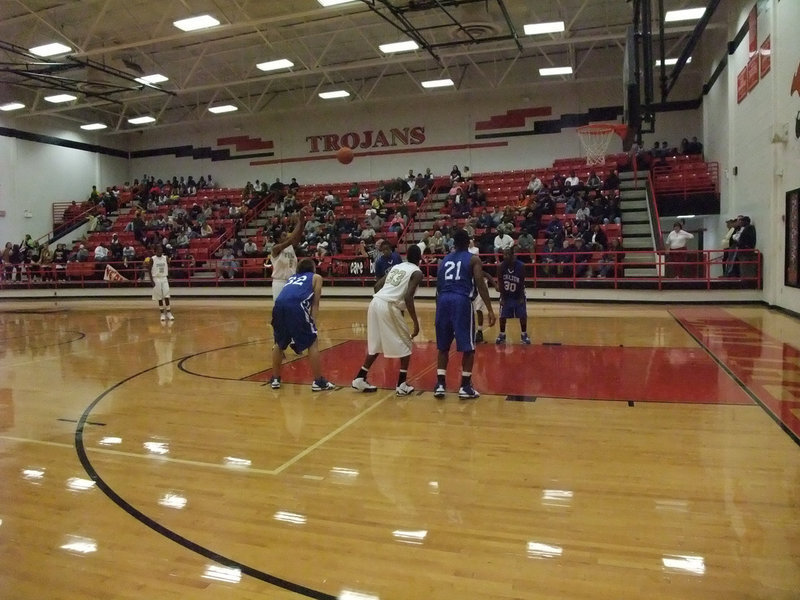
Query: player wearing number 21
(460,275)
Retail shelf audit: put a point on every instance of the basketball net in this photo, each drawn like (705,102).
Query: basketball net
(595,139)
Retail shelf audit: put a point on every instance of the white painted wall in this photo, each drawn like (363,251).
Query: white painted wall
(34,175)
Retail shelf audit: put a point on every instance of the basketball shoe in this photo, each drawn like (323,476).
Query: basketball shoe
(501,339)
(275,383)
(468,392)
(526,339)
(439,391)
(404,389)
(322,384)
(362,385)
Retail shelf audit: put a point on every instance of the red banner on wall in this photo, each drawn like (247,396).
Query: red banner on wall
(765,56)
(752,22)
(741,85)
(752,73)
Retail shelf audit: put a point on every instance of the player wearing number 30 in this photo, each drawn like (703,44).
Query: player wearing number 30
(511,285)
(460,274)
(157,270)
(387,331)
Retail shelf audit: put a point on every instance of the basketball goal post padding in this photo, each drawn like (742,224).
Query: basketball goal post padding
(596,137)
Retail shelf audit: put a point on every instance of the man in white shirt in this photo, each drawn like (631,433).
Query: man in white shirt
(100,253)
(387,330)
(676,244)
(503,241)
(572,180)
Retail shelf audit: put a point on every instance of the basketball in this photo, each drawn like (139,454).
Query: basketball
(344,155)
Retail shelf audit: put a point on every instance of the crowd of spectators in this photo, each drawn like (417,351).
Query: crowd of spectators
(566,212)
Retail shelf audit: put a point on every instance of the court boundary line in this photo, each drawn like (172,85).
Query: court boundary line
(168,533)
(794,437)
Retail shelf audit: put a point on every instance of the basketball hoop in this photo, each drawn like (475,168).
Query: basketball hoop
(595,139)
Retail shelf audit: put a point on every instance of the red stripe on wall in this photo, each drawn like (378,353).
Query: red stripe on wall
(245,143)
(256,163)
(513,118)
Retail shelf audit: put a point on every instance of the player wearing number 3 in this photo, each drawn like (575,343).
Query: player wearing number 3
(157,270)
(387,331)
(460,274)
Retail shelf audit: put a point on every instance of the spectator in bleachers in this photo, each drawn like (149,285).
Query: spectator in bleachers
(466,174)
(485,220)
(573,180)
(82,255)
(436,243)
(502,241)
(531,223)
(398,223)
(455,173)
(684,146)
(354,191)
(469,227)
(367,234)
(612,181)
(611,262)
(582,213)
(676,244)
(597,211)
(206,230)
(526,245)
(228,266)
(250,248)
(596,238)
(548,259)
(571,199)
(593,182)
(373,219)
(555,231)
(583,257)
(613,212)
(534,185)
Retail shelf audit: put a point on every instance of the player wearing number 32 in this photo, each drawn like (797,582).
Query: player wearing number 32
(387,331)
(294,323)
(460,274)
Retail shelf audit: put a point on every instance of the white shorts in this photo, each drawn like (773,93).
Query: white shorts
(478,305)
(277,286)
(160,289)
(387,330)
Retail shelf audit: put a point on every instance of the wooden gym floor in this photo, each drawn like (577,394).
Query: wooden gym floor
(629,452)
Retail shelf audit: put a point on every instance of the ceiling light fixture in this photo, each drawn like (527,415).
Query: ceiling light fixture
(60,98)
(671,61)
(50,49)
(93,126)
(327,3)
(152,79)
(12,106)
(540,28)
(548,71)
(142,121)
(225,108)
(406,46)
(274,65)
(195,23)
(687,14)
(334,94)
(437,83)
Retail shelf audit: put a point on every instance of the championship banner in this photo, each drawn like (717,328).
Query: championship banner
(112,274)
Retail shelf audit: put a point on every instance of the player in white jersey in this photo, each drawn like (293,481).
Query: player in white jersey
(478,304)
(387,330)
(157,270)
(283,257)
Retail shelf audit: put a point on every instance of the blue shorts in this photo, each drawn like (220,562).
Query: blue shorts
(513,309)
(454,320)
(293,326)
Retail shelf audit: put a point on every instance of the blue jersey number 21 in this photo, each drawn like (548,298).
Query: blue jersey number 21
(448,270)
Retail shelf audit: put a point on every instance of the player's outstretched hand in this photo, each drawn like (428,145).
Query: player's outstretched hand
(492,319)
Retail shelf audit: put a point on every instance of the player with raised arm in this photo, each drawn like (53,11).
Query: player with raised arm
(284,258)
(460,274)
(511,285)
(157,271)
(387,330)
(294,318)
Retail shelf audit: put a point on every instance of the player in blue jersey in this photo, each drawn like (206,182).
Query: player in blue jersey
(460,274)
(511,285)
(294,323)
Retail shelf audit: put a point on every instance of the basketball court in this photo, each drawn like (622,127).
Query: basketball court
(628,448)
